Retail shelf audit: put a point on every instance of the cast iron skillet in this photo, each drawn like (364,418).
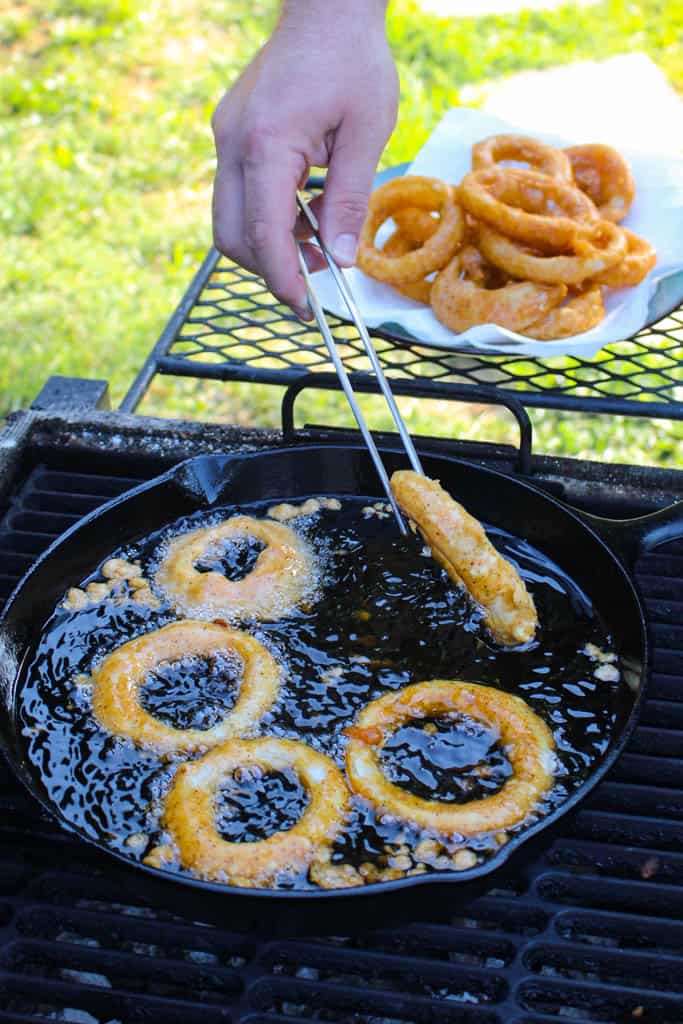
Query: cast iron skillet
(594,551)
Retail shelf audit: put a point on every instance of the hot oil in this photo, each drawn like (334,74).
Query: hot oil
(384,615)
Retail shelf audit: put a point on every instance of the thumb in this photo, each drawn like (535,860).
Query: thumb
(347,190)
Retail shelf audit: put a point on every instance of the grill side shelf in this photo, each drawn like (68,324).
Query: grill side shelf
(229,327)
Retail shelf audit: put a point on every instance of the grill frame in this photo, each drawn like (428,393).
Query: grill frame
(585,897)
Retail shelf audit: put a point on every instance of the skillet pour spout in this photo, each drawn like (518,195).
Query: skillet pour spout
(589,550)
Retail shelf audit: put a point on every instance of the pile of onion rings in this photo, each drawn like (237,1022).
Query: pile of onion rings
(527,248)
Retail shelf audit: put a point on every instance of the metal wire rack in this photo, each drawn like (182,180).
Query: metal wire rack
(229,327)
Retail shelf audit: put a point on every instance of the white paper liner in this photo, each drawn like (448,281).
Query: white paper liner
(657,214)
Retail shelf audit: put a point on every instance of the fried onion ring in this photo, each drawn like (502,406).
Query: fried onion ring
(606,248)
(523,149)
(398,245)
(528,206)
(459,543)
(415,224)
(639,260)
(605,176)
(527,740)
(459,303)
(580,313)
(428,194)
(119,679)
(282,577)
(189,812)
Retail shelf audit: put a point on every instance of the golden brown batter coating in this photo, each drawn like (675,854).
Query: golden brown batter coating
(189,814)
(527,740)
(119,678)
(283,576)
(459,543)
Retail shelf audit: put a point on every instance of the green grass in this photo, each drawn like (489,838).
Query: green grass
(106,163)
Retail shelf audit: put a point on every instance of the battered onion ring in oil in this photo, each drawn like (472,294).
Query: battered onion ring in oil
(119,679)
(605,176)
(428,194)
(528,206)
(282,577)
(639,260)
(527,740)
(589,258)
(459,303)
(523,149)
(580,313)
(459,543)
(398,245)
(190,811)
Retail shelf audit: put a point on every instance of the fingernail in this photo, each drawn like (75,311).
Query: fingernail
(344,249)
(304,312)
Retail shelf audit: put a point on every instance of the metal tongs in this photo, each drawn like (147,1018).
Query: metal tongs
(354,312)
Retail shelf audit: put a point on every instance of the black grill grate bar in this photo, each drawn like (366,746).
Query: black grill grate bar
(630,968)
(53,503)
(663,713)
(657,771)
(615,998)
(380,965)
(267,994)
(540,1018)
(619,930)
(47,524)
(83,484)
(271,1018)
(434,940)
(627,798)
(668,637)
(500,913)
(631,830)
(109,1004)
(659,741)
(666,567)
(666,685)
(26,544)
(591,890)
(111,964)
(613,860)
(655,586)
(665,611)
(45,922)
(14,565)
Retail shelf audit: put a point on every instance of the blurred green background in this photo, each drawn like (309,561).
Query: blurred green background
(106,162)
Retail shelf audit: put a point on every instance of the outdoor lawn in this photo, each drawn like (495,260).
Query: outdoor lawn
(106,162)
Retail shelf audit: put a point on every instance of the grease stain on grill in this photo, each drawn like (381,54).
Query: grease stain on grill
(385,616)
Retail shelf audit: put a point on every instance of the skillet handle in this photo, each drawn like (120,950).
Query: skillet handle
(630,538)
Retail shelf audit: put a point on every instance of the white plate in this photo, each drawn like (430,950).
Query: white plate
(657,214)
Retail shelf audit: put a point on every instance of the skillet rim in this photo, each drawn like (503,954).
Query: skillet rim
(436,878)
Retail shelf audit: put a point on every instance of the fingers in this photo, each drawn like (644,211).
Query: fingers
(347,189)
(228,204)
(271,176)
(254,213)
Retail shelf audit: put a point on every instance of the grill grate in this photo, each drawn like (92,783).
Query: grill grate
(228,326)
(591,932)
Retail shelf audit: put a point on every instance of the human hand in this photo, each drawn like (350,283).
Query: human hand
(322,92)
